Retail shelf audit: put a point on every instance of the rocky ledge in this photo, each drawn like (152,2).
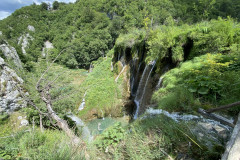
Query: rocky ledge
(10,97)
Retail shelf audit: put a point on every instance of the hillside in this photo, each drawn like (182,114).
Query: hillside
(99,79)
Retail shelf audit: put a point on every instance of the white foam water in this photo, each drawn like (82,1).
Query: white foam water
(86,134)
(177,117)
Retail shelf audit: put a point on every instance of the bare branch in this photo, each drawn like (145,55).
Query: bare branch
(41,78)
(28,100)
(51,82)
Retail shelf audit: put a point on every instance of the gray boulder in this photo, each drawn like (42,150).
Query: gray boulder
(11,54)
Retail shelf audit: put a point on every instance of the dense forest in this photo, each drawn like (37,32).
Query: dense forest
(122,75)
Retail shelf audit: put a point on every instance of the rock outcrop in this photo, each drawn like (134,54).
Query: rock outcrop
(47,46)
(11,54)
(31,28)
(24,41)
(10,99)
(25,38)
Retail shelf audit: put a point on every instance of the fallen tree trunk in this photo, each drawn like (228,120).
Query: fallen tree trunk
(216,117)
(223,107)
(46,97)
(232,151)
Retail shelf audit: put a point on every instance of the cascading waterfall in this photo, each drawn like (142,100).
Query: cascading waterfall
(177,117)
(132,78)
(134,84)
(142,87)
(82,105)
(86,134)
(111,66)
(159,83)
(122,60)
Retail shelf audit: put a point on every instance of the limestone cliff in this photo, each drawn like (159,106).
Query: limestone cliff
(11,54)
(10,99)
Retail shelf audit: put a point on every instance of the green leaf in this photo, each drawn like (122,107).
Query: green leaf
(193,89)
(203,90)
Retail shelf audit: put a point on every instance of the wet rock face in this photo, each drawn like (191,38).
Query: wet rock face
(11,54)
(10,97)
(214,128)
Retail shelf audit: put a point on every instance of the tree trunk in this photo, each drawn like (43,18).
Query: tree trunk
(216,117)
(223,107)
(63,125)
(41,125)
(46,97)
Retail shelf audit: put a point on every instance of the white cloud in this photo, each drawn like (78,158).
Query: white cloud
(9,6)
(4,14)
(51,1)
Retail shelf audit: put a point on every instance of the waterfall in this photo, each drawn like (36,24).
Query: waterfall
(82,105)
(120,73)
(159,83)
(165,69)
(90,68)
(111,66)
(122,60)
(85,132)
(177,117)
(133,73)
(142,87)
(102,115)
(134,83)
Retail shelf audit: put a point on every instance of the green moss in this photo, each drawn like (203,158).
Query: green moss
(102,90)
(203,80)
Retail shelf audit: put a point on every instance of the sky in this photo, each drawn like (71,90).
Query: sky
(9,6)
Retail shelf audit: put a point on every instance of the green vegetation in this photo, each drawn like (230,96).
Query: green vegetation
(199,39)
(66,92)
(111,137)
(146,139)
(208,79)
(89,28)
(205,54)
(103,95)
(26,143)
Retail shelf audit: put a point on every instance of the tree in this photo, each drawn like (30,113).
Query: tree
(55,5)
(43,88)
(44,6)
